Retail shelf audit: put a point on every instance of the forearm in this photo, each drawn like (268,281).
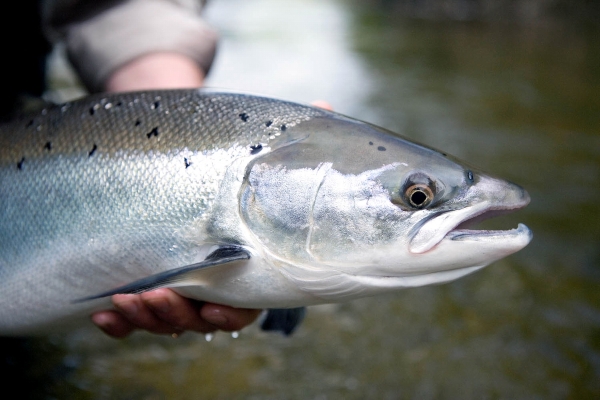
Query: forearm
(159,70)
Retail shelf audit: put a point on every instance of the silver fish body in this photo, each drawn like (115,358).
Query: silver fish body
(111,189)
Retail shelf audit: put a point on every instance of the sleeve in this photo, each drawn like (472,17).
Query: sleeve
(100,36)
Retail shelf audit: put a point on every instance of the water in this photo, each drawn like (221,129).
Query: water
(520,101)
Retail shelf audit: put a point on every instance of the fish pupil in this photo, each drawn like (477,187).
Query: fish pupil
(418,198)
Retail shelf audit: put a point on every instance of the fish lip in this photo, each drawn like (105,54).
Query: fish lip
(470,216)
(469,234)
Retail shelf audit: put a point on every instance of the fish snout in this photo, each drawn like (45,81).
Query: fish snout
(501,194)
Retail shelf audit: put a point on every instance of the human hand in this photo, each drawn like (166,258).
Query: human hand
(322,104)
(162,311)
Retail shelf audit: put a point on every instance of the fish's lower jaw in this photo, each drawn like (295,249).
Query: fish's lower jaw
(505,241)
(518,237)
(473,249)
(481,244)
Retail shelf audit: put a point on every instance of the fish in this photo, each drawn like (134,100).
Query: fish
(229,198)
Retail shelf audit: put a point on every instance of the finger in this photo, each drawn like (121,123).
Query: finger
(177,311)
(113,324)
(139,314)
(322,104)
(228,318)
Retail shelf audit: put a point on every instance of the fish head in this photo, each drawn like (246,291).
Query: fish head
(344,196)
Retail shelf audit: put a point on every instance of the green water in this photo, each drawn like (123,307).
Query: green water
(518,100)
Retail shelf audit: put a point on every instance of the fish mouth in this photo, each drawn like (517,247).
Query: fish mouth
(455,225)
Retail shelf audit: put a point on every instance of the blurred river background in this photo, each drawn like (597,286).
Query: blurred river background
(513,87)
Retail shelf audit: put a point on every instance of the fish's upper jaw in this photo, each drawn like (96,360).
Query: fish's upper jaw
(489,197)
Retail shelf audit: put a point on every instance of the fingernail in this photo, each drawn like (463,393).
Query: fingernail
(159,305)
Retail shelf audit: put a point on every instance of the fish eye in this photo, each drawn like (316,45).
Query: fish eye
(419,195)
(418,191)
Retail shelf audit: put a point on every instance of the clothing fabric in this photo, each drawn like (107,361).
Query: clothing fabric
(100,36)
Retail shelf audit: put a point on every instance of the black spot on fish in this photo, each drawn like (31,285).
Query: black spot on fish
(445,155)
(92,110)
(30,123)
(268,123)
(119,104)
(470,177)
(381,148)
(244,117)
(155,105)
(283,128)
(187,162)
(91,153)
(48,146)
(370,143)
(137,122)
(153,132)
(255,149)
(20,163)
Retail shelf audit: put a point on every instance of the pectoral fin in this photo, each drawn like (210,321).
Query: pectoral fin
(284,320)
(222,255)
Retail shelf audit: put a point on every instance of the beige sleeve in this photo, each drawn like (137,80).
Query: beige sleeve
(100,36)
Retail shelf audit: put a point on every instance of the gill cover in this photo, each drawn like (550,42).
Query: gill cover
(350,199)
